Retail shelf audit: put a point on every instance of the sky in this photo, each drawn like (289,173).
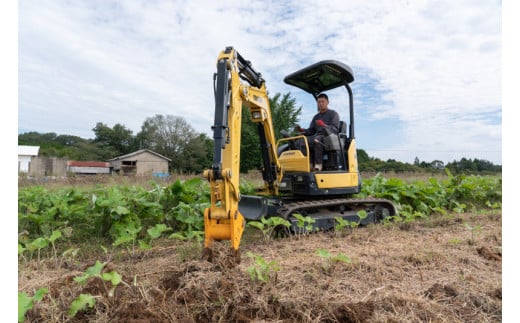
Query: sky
(428,74)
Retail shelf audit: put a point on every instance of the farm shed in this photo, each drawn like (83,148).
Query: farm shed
(88,167)
(141,162)
(25,154)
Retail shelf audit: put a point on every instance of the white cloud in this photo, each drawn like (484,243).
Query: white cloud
(428,65)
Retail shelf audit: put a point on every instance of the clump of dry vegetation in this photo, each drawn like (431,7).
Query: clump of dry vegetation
(437,269)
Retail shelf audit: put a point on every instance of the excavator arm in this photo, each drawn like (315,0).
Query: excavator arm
(236,85)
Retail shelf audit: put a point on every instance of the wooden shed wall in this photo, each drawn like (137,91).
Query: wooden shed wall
(146,163)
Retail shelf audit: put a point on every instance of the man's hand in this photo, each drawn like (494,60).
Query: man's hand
(320,123)
(298,128)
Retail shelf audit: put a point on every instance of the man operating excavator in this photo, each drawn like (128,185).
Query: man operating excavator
(325,122)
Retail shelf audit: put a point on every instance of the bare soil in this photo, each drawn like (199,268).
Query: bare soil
(443,269)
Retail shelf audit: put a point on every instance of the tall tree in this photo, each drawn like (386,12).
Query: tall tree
(172,137)
(119,139)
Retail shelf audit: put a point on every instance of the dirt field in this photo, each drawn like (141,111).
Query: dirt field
(445,269)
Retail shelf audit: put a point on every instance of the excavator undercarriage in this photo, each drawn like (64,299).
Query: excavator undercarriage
(324,211)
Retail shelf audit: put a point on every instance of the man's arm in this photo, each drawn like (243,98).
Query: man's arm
(330,122)
(312,127)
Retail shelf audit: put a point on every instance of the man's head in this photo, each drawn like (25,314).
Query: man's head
(323,102)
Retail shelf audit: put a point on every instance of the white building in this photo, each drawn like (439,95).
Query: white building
(25,153)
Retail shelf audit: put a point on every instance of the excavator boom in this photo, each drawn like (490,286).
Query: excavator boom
(236,84)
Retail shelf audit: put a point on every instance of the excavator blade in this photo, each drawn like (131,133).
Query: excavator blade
(253,207)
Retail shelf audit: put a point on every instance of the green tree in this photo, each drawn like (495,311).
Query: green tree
(437,164)
(173,137)
(284,114)
(204,160)
(250,158)
(362,156)
(65,146)
(118,139)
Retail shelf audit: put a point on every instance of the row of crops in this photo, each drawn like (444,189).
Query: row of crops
(123,215)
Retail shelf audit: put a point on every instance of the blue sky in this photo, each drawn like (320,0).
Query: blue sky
(428,74)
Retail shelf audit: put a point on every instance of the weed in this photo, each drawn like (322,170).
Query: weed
(69,255)
(475,230)
(189,251)
(329,261)
(81,303)
(154,233)
(340,225)
(454,241)
(26,302)
(305,224)
(261,270)
(95,271)
(268,226)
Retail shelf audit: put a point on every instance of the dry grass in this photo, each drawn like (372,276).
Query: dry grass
(253,177)
(433,271)
(89,181)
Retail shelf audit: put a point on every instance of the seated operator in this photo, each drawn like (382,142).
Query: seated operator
(325,122)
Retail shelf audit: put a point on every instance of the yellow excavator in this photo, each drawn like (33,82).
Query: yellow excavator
(290,186)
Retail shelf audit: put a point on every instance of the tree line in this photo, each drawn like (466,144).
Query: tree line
(463,166)
(192,152)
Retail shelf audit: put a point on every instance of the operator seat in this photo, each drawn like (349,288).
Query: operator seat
(335,148)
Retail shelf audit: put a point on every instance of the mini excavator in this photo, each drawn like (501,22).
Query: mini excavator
(290,186)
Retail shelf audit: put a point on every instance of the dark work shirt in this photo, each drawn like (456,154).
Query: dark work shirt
(331,119)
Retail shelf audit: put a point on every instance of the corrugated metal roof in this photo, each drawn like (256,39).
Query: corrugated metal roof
(28,150)
(87,163)
(140,152)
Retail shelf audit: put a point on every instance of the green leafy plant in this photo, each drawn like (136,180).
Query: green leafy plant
(362,214)
(26,302)
(121,215)
(37,244)
(154,233)
(21,249)
(52,239)
(40,243)
(70,254)
(305,224)
(341,225)
(127,233)
(262,270)
(329,260)
(196,235)
(81,303)
(187,220)
(268,226)
(95,271)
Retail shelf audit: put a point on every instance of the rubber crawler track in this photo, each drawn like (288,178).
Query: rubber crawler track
(365,203)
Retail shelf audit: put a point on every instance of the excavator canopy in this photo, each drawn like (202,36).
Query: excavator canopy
(322,76)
